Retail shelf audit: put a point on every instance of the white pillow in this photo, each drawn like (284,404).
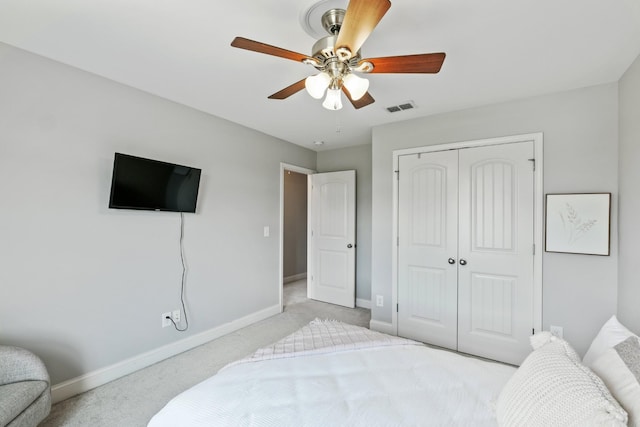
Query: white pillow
(611,334)
(619,368)
(552,388)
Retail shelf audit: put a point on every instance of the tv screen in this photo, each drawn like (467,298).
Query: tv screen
(147,184)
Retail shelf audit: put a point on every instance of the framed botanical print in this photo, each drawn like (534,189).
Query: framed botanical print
(578,223)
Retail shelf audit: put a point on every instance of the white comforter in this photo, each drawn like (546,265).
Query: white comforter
(353,377)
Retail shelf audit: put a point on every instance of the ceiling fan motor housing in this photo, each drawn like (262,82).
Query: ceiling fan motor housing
(324,51)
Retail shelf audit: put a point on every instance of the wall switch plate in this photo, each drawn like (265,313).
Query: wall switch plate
(176,316)
(379,301)
(556,330)
(266,231)
(165,321)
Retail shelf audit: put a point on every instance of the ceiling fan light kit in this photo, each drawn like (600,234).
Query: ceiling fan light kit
(338,57)
(333,83)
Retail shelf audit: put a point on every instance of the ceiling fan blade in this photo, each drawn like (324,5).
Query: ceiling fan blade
(360,19)
(289,90)
(362,102)
(242,43)
(421,63)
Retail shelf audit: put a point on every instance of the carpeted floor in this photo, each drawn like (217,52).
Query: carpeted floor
(132,400)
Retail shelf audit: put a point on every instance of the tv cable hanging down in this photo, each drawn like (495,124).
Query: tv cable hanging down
(184,279)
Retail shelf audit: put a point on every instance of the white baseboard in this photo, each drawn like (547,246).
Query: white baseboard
(363,303)
(386,327)
(91,380)
(294,278)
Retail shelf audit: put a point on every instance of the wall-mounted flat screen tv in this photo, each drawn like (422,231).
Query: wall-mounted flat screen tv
(147,184)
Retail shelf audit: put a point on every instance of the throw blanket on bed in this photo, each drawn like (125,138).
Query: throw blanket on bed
(323,336)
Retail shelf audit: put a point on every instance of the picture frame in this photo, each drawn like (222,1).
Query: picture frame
(578,223)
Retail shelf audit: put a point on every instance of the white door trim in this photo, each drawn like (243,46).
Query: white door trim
(293,168)
(538,143)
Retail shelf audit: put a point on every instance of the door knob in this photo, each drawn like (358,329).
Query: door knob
(452,261)
(349,246)
(463,262)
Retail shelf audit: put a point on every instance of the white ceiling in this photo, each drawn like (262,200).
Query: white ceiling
(497,50)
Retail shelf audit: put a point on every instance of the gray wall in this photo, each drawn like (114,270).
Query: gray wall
(294,250)
(85,286)
(359,159)
(629,287)
(581,155)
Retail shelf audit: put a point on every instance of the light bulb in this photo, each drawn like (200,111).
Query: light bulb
(357,86)
(333,100)
(317,84)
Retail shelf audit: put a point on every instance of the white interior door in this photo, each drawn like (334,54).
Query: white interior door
(427,240)
(332,232)
(495,276)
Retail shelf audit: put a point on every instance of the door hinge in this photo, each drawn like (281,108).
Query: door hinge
(534,248)
(533,331)
(397,175)
(398,241)
(397,308)
(533,162)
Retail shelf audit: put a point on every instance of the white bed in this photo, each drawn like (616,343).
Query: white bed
(333,374)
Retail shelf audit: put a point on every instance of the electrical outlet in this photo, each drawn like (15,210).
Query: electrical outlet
(556,330)
(166,319)
(176,316)
(379,301)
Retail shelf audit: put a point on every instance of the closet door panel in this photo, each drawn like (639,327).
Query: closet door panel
(495,278)
(427,231)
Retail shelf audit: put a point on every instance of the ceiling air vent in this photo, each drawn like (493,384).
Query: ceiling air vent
(401,107)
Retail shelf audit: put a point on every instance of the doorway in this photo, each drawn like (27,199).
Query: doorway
(293,232)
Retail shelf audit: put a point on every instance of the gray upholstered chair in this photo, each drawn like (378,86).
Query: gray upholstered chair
(25,393)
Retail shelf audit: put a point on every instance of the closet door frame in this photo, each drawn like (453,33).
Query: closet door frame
(537,139)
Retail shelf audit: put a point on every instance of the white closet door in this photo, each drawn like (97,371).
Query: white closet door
(428,221)
(495,268)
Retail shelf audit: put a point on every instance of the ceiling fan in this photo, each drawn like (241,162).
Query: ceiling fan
(338,58)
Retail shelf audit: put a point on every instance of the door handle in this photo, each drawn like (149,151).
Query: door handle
(451,261)
(349,246)
(463,262)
